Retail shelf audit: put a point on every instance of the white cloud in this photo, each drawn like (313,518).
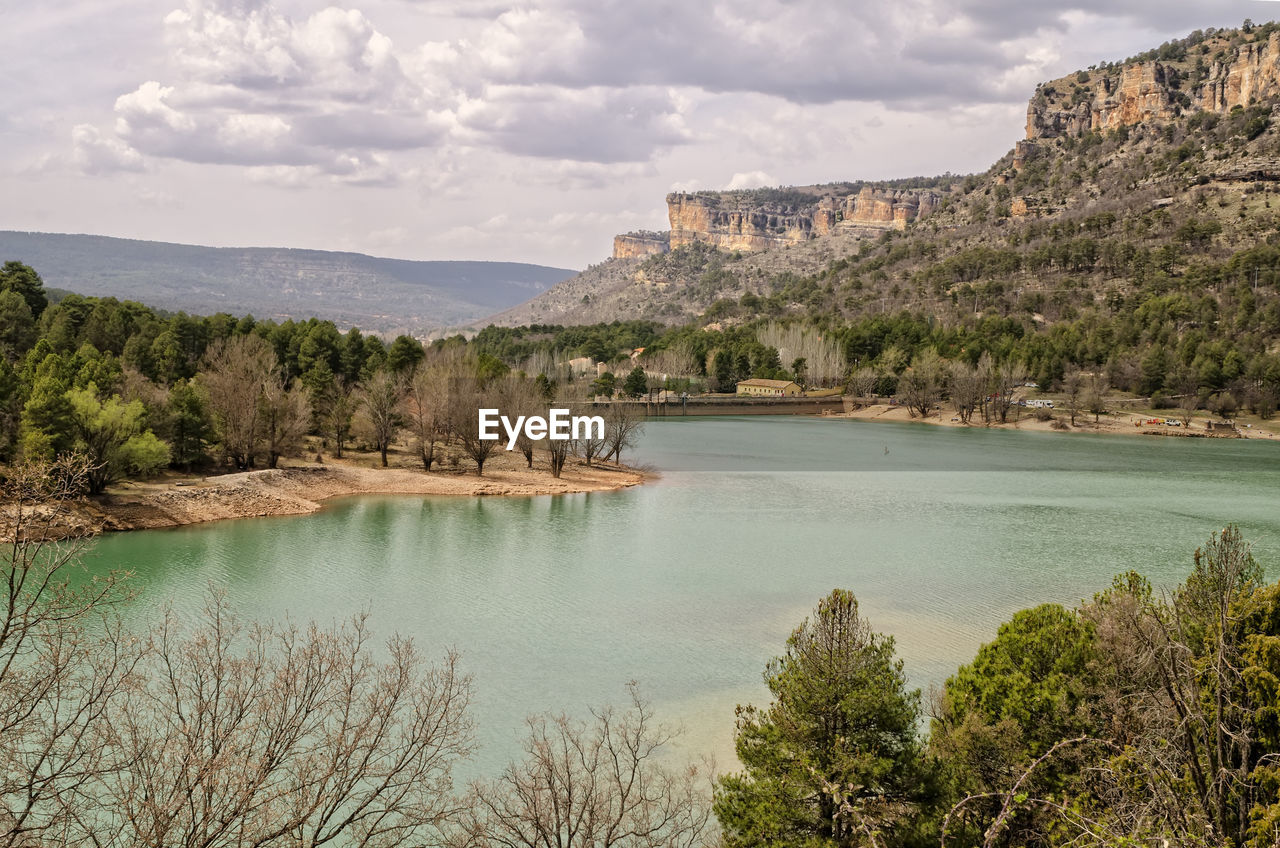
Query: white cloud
(568,175)
(250,86)
(751,179)
(389,237)
(588,81)
(686,186)
(602,125)
(95,153)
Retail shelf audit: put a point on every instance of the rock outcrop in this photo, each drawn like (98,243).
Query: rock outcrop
(885,210)
(1254,75)
(732,221)
(1154,91)
(641,244)
(728,223)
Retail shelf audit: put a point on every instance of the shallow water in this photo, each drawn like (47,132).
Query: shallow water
(688,585)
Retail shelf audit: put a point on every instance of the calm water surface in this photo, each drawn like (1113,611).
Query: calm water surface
(690,584)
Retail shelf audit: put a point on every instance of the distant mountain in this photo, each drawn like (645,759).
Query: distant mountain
(388,295)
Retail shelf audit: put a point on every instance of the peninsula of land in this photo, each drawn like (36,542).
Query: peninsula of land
(302,488)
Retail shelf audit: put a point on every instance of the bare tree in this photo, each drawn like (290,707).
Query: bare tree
(337,412)
(559,450)
(967,390)
(285,414)
(466,401)
(623,423)
(590,447)
(1009,377)
(1211,610)
(862,382)
(237,370)
(426,407)
(1001,379)
(518,395)
(277,736)
(1073,383)
(986,373)
(64,662)
(1095,397)
(1263,397)
(596,785)
(823,358)
(921,384)
(380,419)
(1186,384)
(1177,689)
(224,735)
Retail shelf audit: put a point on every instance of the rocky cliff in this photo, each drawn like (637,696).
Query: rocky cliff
(640,244)
(1133,93)
(731,222)
(743,221)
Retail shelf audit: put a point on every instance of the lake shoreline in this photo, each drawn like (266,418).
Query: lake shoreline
(1120,423)
(302,488)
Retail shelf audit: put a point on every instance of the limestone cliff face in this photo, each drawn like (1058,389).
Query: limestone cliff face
(637,245)
(1255,74)
(887,209)
(1141,93)
(733,222)
(719,221)
(1151,91)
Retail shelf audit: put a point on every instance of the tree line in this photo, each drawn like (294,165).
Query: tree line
(136,391)
(141,390)
(1138,718)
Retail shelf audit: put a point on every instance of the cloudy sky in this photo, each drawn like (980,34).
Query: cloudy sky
(527,131)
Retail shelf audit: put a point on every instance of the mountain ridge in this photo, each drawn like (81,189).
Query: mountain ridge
(378,293)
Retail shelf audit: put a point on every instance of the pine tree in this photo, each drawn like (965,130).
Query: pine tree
(835,760)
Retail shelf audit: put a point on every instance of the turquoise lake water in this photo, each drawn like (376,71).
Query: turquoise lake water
(689,584)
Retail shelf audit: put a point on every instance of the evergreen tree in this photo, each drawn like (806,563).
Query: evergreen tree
(191,426)
(636,383)
(17,326)
(835,760)
(605,384)
(404,354)
(546,387)
(46,428)
(16,277)
(723,367)
(1032,687)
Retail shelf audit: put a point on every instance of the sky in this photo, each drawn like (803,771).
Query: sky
(504,130)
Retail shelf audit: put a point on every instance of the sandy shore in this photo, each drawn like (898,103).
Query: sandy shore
(302,488)
(1122,423)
